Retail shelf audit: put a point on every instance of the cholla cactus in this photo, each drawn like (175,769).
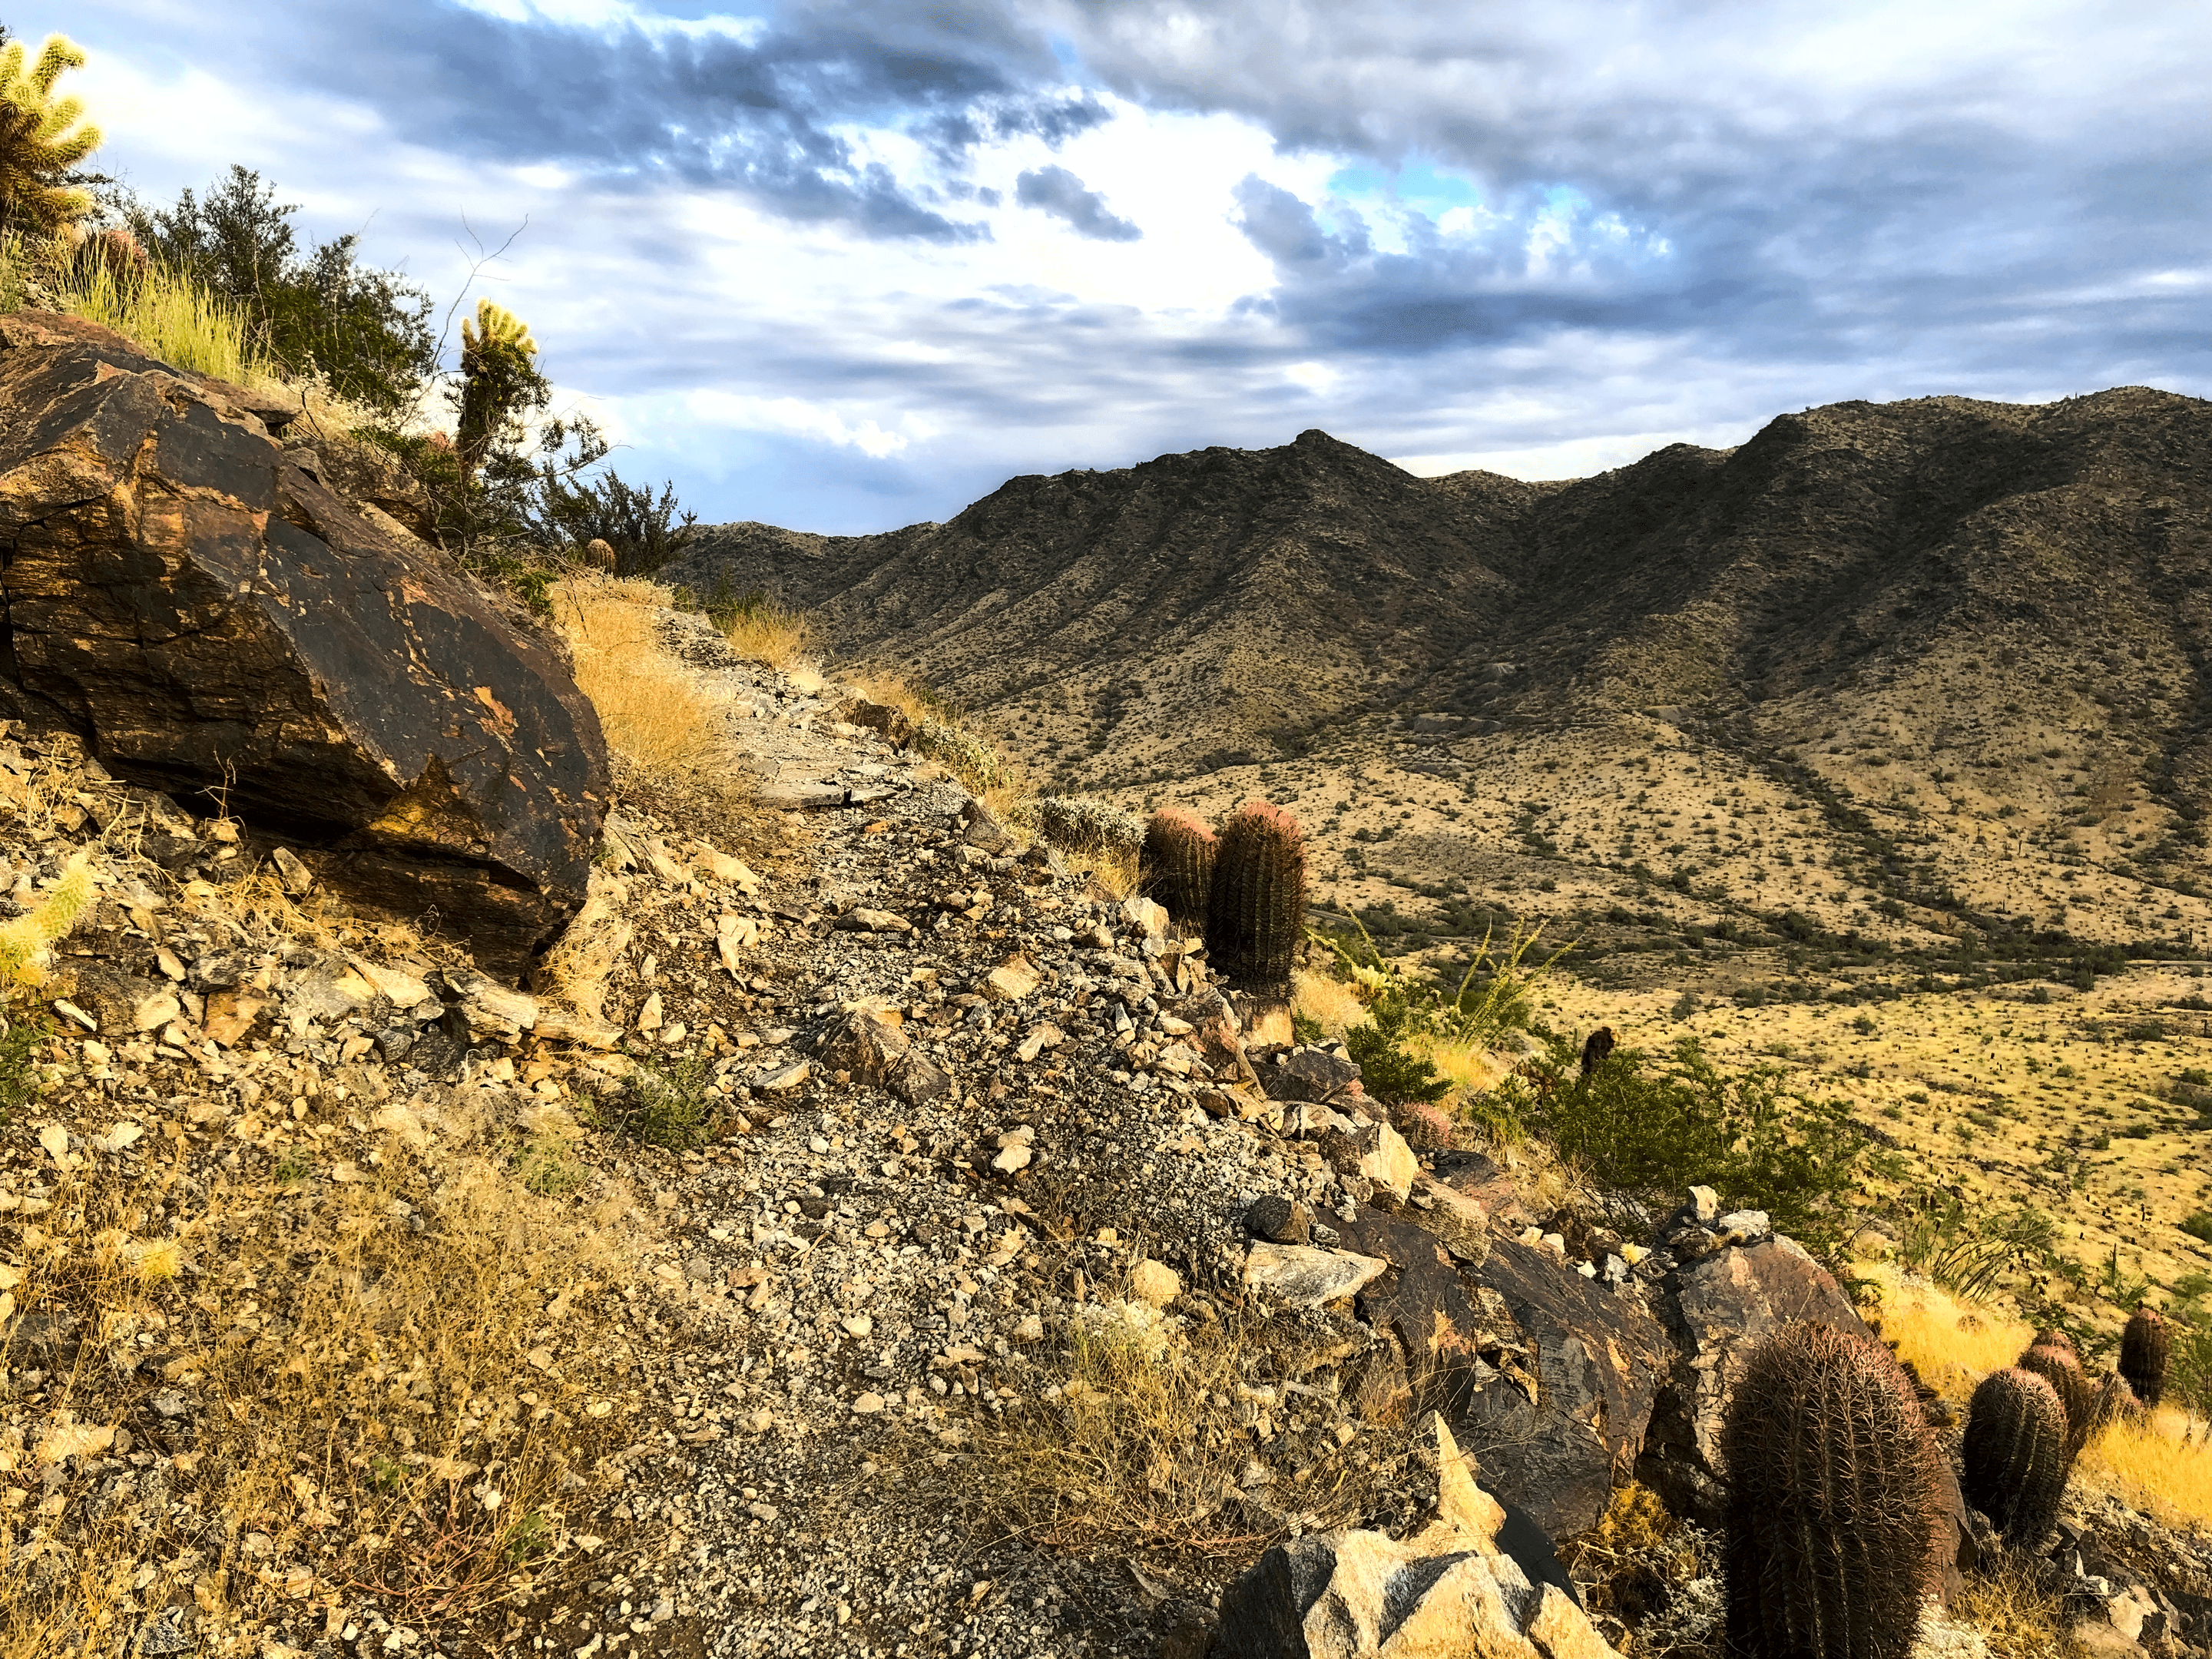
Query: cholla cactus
(42,137)
(498,380)
(1079,823)
(29,937)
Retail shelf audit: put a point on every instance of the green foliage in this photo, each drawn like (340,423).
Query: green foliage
(2188,1371)
(1492,1000)
(44,138)
(20,1042)
(293,1166)
(2014,1455)
(1968,1251)
(1386,1070)
(547,1165)
(668,1104)
(366,331)
(1651,1130)
(1305,1028)
(642,529)
(2198,1224)
(1832,1499)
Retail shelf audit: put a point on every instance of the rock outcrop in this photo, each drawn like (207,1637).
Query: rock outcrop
(216,623)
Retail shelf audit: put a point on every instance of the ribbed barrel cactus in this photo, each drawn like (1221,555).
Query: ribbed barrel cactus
(1255,911)
(2014,1455)
(1178,863)
(1833,1501)
(2059,1368)
(2146,1346)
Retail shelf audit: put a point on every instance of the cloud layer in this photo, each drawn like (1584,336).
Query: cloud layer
(844,266)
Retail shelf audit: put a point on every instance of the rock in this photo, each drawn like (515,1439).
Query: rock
(204,613)
(1579,1373)
(1718,1309)
(1148,918)
(1313,1074)
(1279,1219)
(984,832)
(888,722)
(488,1005)
(782,1080)
(1373,1152)
(1012,1160)
(874,922)
(1154,1282)
(1011,981)
(1307,1276)
(1455,1218)
(871,1044)
(298,879)
(1265,1018)
(370,478)
(1047,1036)
(1705,1206)
(1213,1029)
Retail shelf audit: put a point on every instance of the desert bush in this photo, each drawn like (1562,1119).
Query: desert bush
(643,529)
(668,1104)
(966,756)
(1493,999)
(315,315)
(1649,1129)
(649,706)
(1387,1071)
(1969,1251)
(1081,824)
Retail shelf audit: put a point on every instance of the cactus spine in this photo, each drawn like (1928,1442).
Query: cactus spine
(24,939)
(2145,1347)
(1255,909)
(1178,863)
(1832,1499)
(2058,1367)
(2014,1455)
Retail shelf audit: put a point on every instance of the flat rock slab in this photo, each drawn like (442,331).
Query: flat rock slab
(1306,1274)
(185,597)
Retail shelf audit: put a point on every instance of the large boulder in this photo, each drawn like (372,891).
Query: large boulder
(216,623)
(1719,1309)
(1553,1374)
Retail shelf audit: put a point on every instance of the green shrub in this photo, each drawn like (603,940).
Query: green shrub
(19,1070)
(669,1105)
(1650,1130)
(1386,1070)
(2199,1225)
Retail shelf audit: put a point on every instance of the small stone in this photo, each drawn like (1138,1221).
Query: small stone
(649,1017)
(868,1404)
(1307,1276)
(858,1324)
(874,922)
(1705,1206)
(1011,981)
(1028,1328)
(298,879)
(1154,1282)
(1012,1158)
(155,1011)
(784,1078)
(1279,1219)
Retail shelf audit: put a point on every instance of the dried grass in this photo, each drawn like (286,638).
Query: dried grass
(1953,1344)
(2160,1463)
(364,1415)
(1332,1002)
(2017,1617)
(650,706)
(760,628)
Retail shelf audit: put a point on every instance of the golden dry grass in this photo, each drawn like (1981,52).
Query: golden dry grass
(763,630)
(353,1341)
(1334,1004)
(2019,1618)
(1953,1345)
(2160,1463)
(173,317)
(650,709)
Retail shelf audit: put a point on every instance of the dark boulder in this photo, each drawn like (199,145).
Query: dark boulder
(208,618)
(1718,1309)
(1548,1378)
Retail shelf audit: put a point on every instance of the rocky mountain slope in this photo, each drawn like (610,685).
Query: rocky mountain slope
(1228,603)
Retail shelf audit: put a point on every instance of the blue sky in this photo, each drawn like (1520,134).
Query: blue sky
(845,266)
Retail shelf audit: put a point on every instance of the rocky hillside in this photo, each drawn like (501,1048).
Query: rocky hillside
(1173,616)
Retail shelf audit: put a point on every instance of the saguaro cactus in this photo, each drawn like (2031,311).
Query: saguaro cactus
(1178,862)
(2059,1368)
(2145,1347)
(1255,909)
(2014,1455)
(1832,1484)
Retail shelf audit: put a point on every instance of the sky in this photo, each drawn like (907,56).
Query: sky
(848,266)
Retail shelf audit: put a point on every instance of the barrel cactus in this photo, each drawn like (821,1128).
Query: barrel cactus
(2014,1455)
(2059,1368)
(1834,1488)
(2145,1347)
(1178,863)
(1255,909)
